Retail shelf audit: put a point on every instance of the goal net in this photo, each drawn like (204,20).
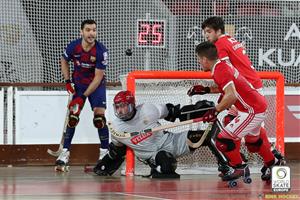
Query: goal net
(33,34)
(161,87)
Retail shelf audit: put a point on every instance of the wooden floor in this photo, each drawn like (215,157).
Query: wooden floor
(43,183)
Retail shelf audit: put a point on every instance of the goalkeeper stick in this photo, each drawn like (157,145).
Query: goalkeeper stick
(57,153)
(123,135)
(203,137)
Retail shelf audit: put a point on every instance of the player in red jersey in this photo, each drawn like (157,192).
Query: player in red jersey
(90,59)
(231,51)
(251,106)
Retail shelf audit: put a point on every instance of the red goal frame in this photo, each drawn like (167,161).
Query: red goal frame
(277,76)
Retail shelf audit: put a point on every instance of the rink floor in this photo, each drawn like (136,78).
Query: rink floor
(43,183)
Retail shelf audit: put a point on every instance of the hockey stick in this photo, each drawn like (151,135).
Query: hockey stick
(123,135)
(203,137)
(58,152)
(192,111)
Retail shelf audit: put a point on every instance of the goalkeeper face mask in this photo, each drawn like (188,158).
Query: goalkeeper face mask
(124,111)
(124,105)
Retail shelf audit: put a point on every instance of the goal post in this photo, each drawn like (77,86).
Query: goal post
(273,89)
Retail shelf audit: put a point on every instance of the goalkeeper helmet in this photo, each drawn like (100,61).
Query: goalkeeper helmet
(124,105)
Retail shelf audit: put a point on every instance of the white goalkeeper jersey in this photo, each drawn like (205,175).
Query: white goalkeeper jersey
(146,146)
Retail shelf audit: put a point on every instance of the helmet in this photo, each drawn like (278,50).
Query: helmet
(124,105)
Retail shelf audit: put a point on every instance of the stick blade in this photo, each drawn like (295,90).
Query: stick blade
(54,153)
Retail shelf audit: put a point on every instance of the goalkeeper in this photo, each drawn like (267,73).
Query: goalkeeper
(160,149)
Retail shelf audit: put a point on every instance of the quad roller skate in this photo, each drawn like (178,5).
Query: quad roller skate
(225,167)
(266,170)
(235,173)
(62,161)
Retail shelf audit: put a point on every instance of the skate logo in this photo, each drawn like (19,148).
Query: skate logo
(281,179)
(141,137)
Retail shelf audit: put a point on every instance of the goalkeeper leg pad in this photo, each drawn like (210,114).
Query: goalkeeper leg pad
(166,165)
(108,166)
(111,161)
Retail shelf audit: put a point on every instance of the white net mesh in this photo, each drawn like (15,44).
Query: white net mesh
(174,91)
(33,34)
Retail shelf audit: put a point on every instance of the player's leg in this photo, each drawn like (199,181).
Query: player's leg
(73,119)
(258,142)
(232,113)
(228,142)
(195,136)
(98,103)
(103,133)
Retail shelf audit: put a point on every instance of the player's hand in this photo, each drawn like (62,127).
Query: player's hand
(210,115)
(198,89)
(70,87)
(76,104)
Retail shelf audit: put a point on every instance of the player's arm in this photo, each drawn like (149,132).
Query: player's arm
(66,58)
(214,89)
(65,68)
(99,74)
(229,97)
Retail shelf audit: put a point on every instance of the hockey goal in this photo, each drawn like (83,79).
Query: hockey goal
(171,87)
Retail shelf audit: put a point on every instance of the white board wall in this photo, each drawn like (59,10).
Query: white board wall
(40,117)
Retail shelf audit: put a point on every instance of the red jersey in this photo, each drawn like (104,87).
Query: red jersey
(229,48)
(249,100)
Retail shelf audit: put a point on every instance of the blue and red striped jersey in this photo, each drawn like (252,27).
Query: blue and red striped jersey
(85,63)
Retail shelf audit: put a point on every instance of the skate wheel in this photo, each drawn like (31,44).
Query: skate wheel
(232,183)
(62,168)
(247,180)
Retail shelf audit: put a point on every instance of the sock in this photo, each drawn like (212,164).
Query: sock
(265,150)
(104,137)
(68,137)
(234,156)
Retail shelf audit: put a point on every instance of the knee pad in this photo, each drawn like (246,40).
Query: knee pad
(99,121)
(225,144)
(253,143)
(166,161)
(73,120)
